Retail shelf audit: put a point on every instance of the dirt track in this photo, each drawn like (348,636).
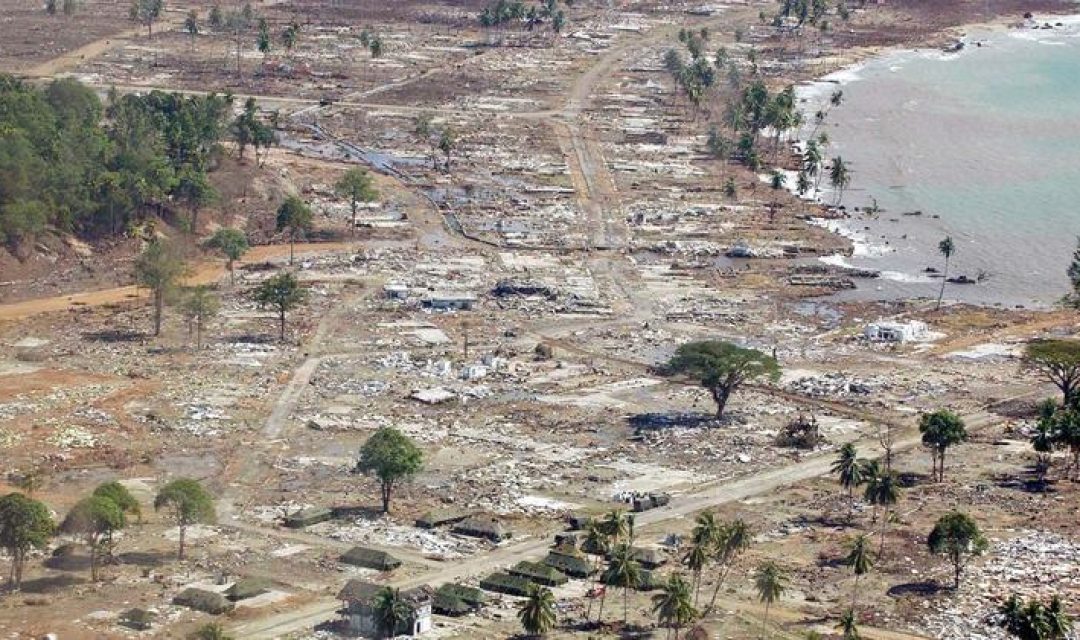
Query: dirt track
(203,273)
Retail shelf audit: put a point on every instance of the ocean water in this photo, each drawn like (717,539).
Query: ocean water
(986,144)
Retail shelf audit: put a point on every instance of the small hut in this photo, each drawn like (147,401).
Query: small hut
(370,559)
(202,600)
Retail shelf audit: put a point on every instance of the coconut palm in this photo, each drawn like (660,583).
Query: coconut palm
(770,582)
(537,613)
(860,561)
(839,178)
(1060,622)
(596,542)
(849,473)
(946,248)
(695,560)
(623,571)
(616,525)
(870,472)
(391,611)
(884,492)
(732,540)
(847,626)
(672,605)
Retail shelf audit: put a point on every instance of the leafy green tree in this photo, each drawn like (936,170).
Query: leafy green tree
(957,536)
(25,524)
(290,35)
(391,457)
(616,526)
(199,306)
(721,367)
(94,519)
(233,244)
(623,571)
(51,7)
(860,561)
(191,25)
(391,611)
(120,495)
(146,12)
(447,144)
(295,216)
(1073,271)
(264,41)
(193,189)
(941,430)
(770,581)
(216,18)
(1058,361)
(188,503)
(946,248)
(283,293)
(356,186)
(849,473)
(159,268)
(537,612)
(1067,434)
(839,178)
(375,45)
(673,606)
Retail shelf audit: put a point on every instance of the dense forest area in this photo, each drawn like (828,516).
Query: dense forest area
(70,163)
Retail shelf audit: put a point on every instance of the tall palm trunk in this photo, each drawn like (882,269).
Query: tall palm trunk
(944,277)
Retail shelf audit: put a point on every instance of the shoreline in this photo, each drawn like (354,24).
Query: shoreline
(812,94)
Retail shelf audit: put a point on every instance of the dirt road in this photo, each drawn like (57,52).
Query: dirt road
(203,273)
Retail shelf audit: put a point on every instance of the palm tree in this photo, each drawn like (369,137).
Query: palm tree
(847,626)
(391,611)
(777,181)
(672,605)
(871,475)
(770,582)
(1059,620)
(860,561)
(624,571)
(597,542)
(849,473)
(946,248)
(537,613)
(616,525)
(839,178)
(884,493)
(695,560)
(732,540)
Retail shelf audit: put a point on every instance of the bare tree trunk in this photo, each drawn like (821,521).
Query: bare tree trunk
(182,532)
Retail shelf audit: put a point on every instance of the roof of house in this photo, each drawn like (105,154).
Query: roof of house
(506,583)
(571,565)
(370,559)
(203,600)
(437,517)
(247,588)
(481,525)
(538,572)
(364,592)
(469,595)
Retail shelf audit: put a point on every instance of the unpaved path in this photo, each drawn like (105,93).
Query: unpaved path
(203,273)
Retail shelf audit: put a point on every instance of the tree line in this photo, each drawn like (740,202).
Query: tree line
(71,163)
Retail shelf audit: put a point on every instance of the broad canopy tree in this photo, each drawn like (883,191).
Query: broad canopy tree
(721,367)
(1058,361)
(187,503)
(233,244)
(941,430)
(94,519)
(957,536)
(25,524)
(294,216)
(283,293)
(159,268)
(356,186)
(391,457)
